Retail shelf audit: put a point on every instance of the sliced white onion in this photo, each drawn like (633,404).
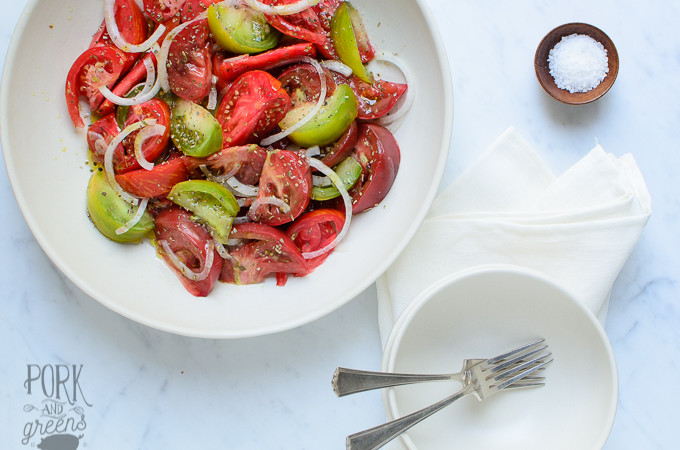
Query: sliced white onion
(403,106)
(119,40)
(240,189)
(136,218)
(281,10)
(312,151)
(108,158)
(271,200)
(322,98)
(143,136)
(321,167)
(320,181)
(184,269)
(221,250)
(337,66)
(212,97)
(151,88)
(165,49)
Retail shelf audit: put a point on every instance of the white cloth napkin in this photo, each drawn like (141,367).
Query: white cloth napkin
(509,208)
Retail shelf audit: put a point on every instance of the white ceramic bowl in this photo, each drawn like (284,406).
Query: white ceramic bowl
(46,163)
(483,313)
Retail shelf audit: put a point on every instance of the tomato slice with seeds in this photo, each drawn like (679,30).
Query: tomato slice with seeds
(162,10)
(188,240)
(266,251)
(190,62)
(286,175)
(193,8)
(95,67)
(373,100)
(314,230)
(243,162)
(253,106)
(156,182)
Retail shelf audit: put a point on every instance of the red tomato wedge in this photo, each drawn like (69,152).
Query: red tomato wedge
(229,69)
(193,8)
(314,230)
(162,10)
(133,77)
(373,100)
(305,25)
(154,146)
(105,129)
(267,251)
(156,182)
(286,175)
(188,241)
(342,148)
(253,106)
(190,62)
(97,66)
(244,162)
(378,153)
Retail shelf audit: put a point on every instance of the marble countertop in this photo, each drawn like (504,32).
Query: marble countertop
(153,390)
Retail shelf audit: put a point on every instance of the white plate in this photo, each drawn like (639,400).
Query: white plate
(483,313)
(46,163)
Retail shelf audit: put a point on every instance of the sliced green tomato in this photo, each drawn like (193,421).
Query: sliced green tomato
(211,202)
(345,42)
(349,171)
(241,29)
(333,119)
(194,130)
(109,211)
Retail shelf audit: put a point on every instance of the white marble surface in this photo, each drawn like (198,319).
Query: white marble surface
(153,390)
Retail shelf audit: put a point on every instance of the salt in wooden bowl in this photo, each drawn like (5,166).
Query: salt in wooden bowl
(548,82)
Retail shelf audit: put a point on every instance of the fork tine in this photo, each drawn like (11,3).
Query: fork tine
(514,352)
(509,381)
(500,373)
(518,359)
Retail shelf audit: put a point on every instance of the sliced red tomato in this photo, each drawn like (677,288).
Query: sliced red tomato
(286,175)
(169,25)
(104,129)
(305,25)
(154,146)
(244,162)
(303,81)
(193,8)
(342,148)
(189,62)
(267,251)
(135,76)
(131,24)
(97,66)
(251,108)
(156,182)
(188,241)
(378,153)
(162,10)
(373,100)
(229,69)
(314,230)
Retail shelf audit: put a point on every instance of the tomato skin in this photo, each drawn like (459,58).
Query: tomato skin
(304,25)
(253,106)
(342,148)
(188,240)
(190,62)
(229,69)
(270,251)
(287,176)
(95,67)
(245,162)
(373,100)
(193,8)
(154,146)
(156,182)
(162,10)
(378,153)
(105,128)
(314,230)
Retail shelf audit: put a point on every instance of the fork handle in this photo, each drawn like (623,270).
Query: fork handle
(350,381)
(376,437)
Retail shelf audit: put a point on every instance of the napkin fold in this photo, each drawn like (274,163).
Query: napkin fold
(577,229)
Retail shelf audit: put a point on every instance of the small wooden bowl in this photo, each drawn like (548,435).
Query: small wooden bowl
(548,82)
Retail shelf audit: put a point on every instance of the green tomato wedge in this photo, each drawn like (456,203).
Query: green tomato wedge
(108,211)
(349,171)
(241,29)
(345,42)
(335,116)
(211,202)
(194,130)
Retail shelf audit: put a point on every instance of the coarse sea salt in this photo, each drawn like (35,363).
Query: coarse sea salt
(578,63)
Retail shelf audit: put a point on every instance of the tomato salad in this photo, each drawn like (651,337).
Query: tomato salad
(240,136)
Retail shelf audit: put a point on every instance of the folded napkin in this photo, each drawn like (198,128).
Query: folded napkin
(509,208)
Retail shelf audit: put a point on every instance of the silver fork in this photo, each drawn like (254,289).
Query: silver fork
(482,380)
(350,381)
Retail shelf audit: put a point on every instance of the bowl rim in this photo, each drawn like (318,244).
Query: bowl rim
(190,331)
(411,311)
